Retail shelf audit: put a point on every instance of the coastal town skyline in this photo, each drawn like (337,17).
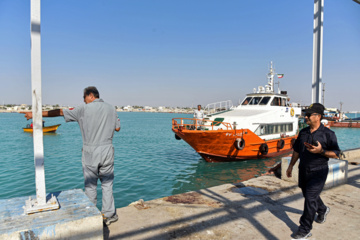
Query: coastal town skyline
(178,53)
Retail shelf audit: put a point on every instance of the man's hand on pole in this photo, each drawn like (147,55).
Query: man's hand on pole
(28,115)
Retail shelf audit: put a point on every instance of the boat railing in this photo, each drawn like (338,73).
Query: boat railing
(217,107)
(199,124)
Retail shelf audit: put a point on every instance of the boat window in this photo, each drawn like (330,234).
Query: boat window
(255,101)
(246,101)
(276,101)
(283,102)
(266,129)
(264,100)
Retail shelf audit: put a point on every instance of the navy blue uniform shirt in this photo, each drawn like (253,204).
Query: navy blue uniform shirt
(327,139)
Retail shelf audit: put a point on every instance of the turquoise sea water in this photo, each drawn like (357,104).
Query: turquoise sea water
(149,162)
(353,115)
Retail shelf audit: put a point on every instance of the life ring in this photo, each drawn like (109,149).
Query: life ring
(292,112)
(177,137)
(280,144)
(239,143)
(264,149)
(293,142)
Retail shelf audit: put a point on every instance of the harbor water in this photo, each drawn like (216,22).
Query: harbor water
(149,162)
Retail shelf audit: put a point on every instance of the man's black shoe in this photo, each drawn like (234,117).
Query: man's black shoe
(301,235)
(321,218)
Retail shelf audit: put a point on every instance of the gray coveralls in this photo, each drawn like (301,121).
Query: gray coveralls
(97,121)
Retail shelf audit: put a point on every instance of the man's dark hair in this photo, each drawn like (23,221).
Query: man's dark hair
(92,90)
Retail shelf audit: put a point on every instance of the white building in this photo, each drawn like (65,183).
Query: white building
(147,108)
(128,108)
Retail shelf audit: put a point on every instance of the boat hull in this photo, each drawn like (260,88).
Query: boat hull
(345,124)
(220,145)
(47,129)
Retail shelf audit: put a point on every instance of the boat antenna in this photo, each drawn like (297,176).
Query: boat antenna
(278,85)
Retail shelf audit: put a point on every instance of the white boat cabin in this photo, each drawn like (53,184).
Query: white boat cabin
(268,115)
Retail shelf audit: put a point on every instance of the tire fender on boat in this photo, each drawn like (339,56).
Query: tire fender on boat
(280,144)
(177,137)
(264,149)
(293,142)
(239,143)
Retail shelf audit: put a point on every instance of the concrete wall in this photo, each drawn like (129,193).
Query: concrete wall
(338,172)
(77,218)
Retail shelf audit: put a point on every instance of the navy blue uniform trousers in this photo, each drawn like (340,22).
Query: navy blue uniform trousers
(311,182)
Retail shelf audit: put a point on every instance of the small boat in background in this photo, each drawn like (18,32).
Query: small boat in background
(337,118)
(345,124)
(334,114)
(47,129)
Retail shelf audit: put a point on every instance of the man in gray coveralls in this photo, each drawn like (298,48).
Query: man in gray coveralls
(98,121)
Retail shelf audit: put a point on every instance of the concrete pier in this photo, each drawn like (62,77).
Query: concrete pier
(261,208)
(77,218)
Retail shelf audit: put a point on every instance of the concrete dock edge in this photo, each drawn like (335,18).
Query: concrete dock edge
(77,218)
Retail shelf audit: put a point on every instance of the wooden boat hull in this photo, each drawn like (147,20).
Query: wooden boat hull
(345,124)
(47,129)
(220,145)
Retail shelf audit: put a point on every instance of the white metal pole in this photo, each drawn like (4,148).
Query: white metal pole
(317,50)
(37,102)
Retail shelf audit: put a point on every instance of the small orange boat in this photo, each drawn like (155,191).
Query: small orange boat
(47,129)
(263,125)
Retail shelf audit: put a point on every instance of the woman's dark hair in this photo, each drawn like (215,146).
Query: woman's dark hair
(92,90)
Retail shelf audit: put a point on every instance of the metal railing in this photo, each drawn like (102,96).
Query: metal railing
(217,107)
(198,124)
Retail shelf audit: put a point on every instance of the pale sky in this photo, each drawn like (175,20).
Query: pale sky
(178,53)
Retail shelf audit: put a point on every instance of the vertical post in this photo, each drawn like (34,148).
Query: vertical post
(37,102)
(317,50)
(323,94)
(40,203)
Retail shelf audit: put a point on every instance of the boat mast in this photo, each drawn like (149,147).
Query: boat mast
(270,77)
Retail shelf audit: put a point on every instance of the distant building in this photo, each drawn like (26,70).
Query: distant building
(147,108)
(128,108)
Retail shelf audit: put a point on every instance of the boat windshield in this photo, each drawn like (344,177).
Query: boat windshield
(246,101)
(264,101)
(255,101)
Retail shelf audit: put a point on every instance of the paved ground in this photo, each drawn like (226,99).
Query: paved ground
(261,208)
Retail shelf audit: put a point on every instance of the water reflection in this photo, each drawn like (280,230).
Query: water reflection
(204,174)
